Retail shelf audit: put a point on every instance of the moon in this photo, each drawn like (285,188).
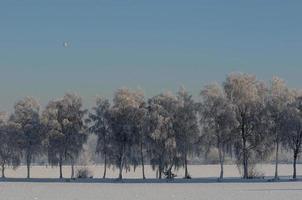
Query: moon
(66,44)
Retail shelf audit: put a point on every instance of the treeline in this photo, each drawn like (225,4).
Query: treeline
(243,117)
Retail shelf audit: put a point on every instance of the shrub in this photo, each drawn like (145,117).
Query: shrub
(84,173)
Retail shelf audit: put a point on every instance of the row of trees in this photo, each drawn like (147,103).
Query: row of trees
(244,117)
(59,131)
(162,130)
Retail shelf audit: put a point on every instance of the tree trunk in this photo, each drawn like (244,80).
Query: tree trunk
(142,160)
(3,169)
(122,155)
(121,168)
(169,172)
(105,166)
(120,176)
(245,165)
(294,165)
(72,168)
(159,172)
(221,161)
(60,165)
(244,158)
(277,159)
(186,168)
(28,162)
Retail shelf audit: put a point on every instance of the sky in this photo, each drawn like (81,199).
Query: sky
(156,45)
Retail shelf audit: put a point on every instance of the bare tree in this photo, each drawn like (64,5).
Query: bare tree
(248,97)
(66,133)
(162,138)
(293,130)
(279,98)
(26,115)
(10,149)
(100,124)
(186,127)
(123,123)
(141,129)
(218,120)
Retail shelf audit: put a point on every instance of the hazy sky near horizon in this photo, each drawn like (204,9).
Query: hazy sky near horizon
(156,45)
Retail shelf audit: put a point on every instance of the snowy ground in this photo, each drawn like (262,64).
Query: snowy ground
(196,171)
(199,188)
(200,191)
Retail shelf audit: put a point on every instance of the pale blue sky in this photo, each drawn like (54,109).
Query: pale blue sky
(157,45)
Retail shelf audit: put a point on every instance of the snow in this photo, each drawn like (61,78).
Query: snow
(93,191)
(196,171)
(198,188)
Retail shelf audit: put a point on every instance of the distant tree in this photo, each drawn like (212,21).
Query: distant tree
(186,127)
(217,120)
(100,124)
(125,138)
(162,137)
(26,115)
(248,96)
(293,130)
(279,98)
(55,138)
(10,151)
(141,130)
(66,132)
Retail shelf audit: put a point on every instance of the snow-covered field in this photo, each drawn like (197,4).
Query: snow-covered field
(194,170)
(200,191)
(93,191)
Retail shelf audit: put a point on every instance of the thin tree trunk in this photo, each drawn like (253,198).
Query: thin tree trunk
(28,162)
(72,168)
(143,168)
(159,172)
(121,168)
(3,169)
(28,171)
(105,166)
(142,160)
(277,159)
(60,165)
(120,176)
(169,171)
(186,168)
(246,168)
(121,162)
(294,165)
(221,160)
(244,159)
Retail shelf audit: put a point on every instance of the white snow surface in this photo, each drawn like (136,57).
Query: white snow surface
(196,171)
(191,191)
(41,189)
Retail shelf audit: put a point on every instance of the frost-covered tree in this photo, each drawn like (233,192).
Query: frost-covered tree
(10,139)
(162,137)
(248,96)
(100,124)
(141,130)
(55,138)
(279,98)
(26,115)
(217,120)
(65,130)
(186,127)
(125,137)
(292,136)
